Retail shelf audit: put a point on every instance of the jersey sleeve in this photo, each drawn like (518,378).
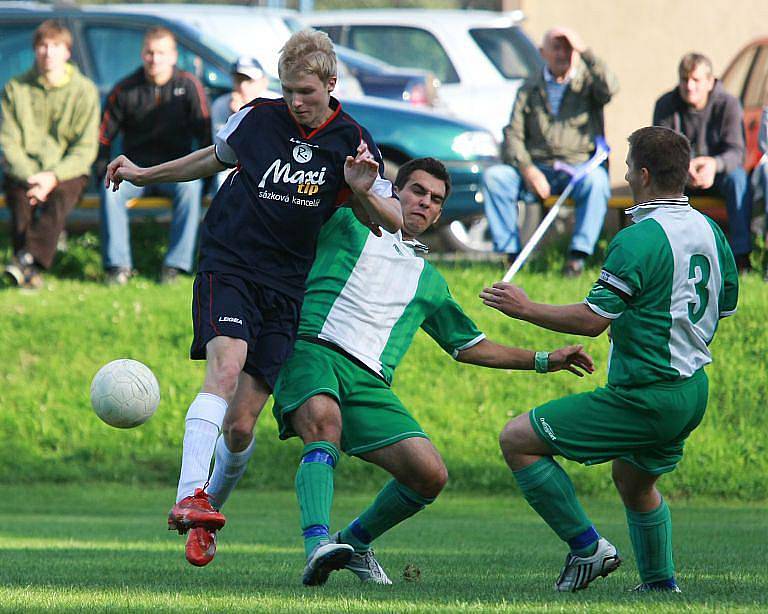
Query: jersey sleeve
(225,152)
(451,328)
(619,280)
(728,296)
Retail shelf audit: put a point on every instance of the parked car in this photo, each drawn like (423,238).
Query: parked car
(267,29)
(747,78)
(107,46)
(480,57)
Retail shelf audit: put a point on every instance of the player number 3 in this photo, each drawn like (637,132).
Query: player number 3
(699,270)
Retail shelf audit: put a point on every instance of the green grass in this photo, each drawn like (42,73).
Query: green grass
(106,548)
(55,340)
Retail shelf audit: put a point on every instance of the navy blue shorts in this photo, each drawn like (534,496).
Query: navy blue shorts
(229,306)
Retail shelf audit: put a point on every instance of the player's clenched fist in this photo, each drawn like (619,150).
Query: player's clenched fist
(361,171)
(120,169)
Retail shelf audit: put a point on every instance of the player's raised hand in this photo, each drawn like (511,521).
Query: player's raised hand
(360,171)
(507,298)
(571,358)
(122,169)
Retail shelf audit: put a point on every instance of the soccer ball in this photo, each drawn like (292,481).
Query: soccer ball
(125,393)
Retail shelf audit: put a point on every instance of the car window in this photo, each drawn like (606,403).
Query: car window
(733,80)
(16,53)
(116,51)
(754,93)
(404,46)
(510,51)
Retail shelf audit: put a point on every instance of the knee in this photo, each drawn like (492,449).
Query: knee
(597,182)
(500,177)
(431,482)
(509,441)
(224,374)
(238,432)
(323,426)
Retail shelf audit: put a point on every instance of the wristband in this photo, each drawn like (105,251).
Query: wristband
(541,362)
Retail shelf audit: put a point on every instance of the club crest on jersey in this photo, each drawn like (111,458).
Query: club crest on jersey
(309,182)
(302,153)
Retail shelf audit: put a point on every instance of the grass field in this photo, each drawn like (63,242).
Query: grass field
(475,553)
(54,340)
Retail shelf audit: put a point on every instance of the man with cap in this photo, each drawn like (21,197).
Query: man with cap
(249,81)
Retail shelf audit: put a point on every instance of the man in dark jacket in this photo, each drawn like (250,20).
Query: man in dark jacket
(712,120)
(556,118)
(163,114)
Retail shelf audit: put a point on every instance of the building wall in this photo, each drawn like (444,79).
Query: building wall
(642,41)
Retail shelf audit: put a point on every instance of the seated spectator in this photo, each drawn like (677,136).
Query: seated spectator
(557,116)
(760,181)
(249,81)
(712,120)
(49,138)
(163,114)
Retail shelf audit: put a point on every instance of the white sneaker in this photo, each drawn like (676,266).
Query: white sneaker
(364,565)
(324,559)
(579,571)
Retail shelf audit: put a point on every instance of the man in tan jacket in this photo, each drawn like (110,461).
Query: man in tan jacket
(556,117)
(49,139)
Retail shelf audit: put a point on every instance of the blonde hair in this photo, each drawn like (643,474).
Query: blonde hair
(53,30)
(309,52)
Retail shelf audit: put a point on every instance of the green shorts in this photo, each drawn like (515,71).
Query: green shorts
(372,416)
(646,425)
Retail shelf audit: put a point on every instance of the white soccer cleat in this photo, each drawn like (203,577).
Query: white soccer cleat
(324,559)
(579,571)
(364,565)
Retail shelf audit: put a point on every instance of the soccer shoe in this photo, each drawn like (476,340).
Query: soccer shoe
(365,566)
(195,511)
(201,546)
(579,571)
(657,587)
(324,559)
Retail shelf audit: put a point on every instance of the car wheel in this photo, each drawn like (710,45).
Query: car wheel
(474,235)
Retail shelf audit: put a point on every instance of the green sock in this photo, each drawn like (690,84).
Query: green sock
(314,490)
(549,491)
(651,535)
(394,503)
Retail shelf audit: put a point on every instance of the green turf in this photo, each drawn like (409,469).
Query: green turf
(54,340)
(106,548)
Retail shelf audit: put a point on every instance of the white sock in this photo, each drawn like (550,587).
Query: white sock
(201,428)
(227,471)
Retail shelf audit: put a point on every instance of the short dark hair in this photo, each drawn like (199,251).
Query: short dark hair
(665,153)
(53,30)
(433,166)
(691,61)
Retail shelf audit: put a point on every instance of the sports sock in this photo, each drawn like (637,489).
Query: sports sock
(314,490)
(201,428)
(651,535)
(549,491)
(227,471)
(394,503)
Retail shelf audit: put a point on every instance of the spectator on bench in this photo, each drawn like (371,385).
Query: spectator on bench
(49,137)
(163,114)
(557,116)
(712,120)
(760,180)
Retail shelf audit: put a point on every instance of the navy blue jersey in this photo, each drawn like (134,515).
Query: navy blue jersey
(288,180)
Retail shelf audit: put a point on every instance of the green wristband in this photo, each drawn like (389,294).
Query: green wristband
(541,362)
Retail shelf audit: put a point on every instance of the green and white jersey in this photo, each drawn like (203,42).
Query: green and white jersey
(666,282)
(369,295)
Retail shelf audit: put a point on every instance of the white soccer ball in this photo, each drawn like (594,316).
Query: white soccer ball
(125,393)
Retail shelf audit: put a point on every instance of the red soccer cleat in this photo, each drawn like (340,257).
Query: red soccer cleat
(195,511)
(201,546)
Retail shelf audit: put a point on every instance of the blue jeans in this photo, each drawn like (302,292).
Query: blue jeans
(736,190)
(503,186)
(115,233)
